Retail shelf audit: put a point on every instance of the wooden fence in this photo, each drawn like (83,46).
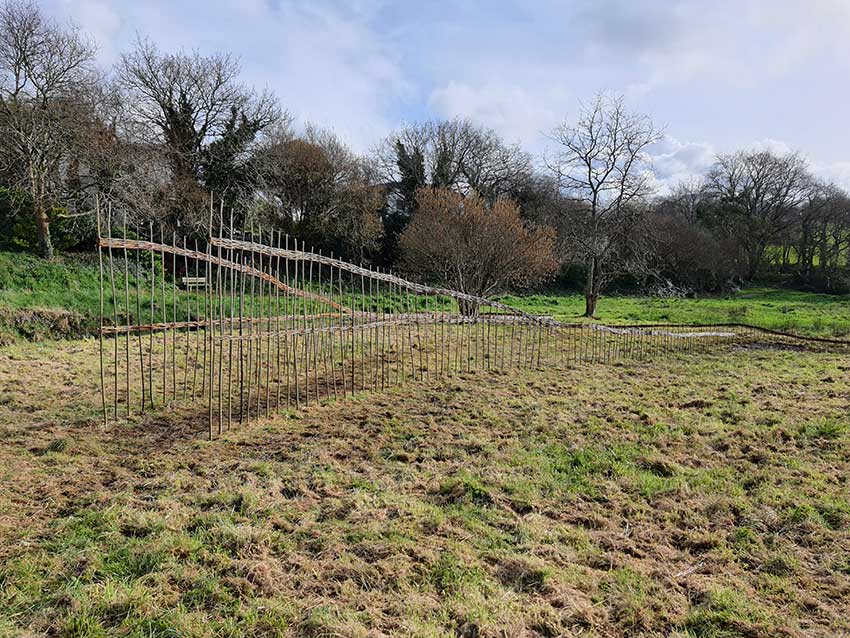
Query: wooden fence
(255,324)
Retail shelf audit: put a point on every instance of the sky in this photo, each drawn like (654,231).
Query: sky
(715,75)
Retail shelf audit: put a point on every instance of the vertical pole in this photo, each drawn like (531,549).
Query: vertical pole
(353,338)
(114,315)
(200,319)
(268,320)
(276,244)
(127,306)
(341,328)
(296,375)
(151,393)
(315,313)
(139,322)
(174,315)
(241,368)
(261,312)
(305,302)
(164,318)
(251,302)
(369,319)
(188,321)
(289,338)
(231,326)
(220,283)
(208,337)
(363,321)
(384,344)
(100,331)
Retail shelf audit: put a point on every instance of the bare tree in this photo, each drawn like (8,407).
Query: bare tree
(195,108)
(315,186)
(601,163)
(757,196)
(455,154)
(474,247)
(46,75)
(821,236)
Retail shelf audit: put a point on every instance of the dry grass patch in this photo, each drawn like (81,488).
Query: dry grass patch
(703,497)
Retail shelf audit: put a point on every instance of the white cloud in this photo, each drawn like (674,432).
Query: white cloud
(516,113)
(835,172)
(674,161)
(325,62)
(729,71)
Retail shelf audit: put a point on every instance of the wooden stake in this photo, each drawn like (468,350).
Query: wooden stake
(100,332)
(127,306)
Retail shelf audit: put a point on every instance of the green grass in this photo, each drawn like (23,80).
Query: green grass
(701,496)
(40,299)
(803,312)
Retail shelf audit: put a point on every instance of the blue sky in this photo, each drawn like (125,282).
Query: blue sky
(716,75)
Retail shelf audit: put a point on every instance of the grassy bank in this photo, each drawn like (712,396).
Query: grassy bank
(698,496)
(48,299)
(61,299)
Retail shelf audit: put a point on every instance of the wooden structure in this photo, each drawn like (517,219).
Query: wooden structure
(275,326)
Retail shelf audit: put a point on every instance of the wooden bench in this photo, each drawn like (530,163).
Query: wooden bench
(194,282)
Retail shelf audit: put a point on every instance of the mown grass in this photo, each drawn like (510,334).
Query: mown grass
(802,312)
(701,496)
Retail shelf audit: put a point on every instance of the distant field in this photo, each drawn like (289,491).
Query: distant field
(803,312)
(61,299)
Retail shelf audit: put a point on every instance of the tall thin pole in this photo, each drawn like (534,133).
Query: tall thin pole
(114,316)
(174,314)
(209,337)
(139,321)
(220,294)
(189,330)
(276,242)
(100,332)
(127,306)
(152,319)
(164,320)
(231,328)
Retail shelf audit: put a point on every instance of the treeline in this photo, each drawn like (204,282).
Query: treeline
(163,136)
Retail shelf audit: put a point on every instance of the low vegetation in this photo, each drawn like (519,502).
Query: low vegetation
(700,497)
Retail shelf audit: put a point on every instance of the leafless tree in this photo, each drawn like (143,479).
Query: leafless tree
(758,195)
(46,78)
(475,247)
(601,163)
(197,110)
(455,154)
(315,186)
(821,236)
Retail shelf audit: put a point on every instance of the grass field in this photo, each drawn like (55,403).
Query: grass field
(702,496)
(802,312)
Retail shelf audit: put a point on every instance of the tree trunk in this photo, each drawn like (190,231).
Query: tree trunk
(42,224)
(468,308)
(590,304)
(591,290)
(755,256)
